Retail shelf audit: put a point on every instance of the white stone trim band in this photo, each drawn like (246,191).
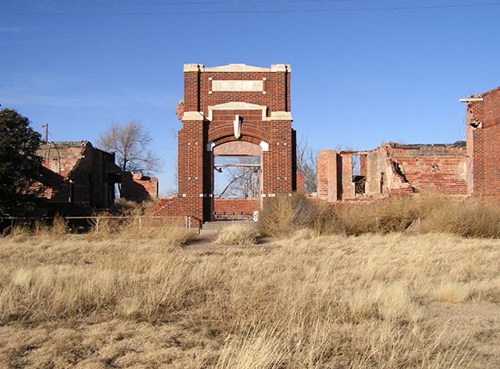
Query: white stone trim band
(237,68)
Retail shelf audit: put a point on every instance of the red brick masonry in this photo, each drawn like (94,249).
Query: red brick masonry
(483,144)
(216,98)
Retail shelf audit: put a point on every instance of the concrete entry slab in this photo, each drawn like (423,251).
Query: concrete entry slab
(212,228)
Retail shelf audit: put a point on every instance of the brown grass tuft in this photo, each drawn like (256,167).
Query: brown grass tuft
(451,292)
(238,234)
(283,215)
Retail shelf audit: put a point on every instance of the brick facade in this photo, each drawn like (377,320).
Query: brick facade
(483,134)
(231,103)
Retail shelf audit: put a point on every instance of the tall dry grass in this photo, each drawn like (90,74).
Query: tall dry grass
(310,301)
(426,213)
(108,227)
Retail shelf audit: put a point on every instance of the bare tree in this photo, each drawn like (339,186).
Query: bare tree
(307,164)
(130,143)
(241,181)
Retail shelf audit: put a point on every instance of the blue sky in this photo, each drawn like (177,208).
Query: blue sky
(363,71)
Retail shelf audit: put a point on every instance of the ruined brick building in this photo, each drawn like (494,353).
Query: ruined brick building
(78,173)
(232,110)
(240,110)
(461,169)
(392,169)
(79,177)
(243,110)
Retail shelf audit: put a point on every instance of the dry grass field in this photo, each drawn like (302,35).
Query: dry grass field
(161,300)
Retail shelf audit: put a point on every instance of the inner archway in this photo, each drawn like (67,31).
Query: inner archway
(237,180)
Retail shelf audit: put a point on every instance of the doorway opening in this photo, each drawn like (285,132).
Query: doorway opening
(237,180)
(237,177)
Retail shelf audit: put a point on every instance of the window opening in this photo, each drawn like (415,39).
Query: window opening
(358,173)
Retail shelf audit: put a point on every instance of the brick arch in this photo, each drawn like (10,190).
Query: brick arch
(250,133)
(230,138)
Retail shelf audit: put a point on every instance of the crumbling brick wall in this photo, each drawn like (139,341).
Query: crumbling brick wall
(328,173)
(138,187)
(483,135)
(80,173)
(392,169)
(442,168)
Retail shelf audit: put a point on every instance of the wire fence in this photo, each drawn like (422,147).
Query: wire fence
(83,224)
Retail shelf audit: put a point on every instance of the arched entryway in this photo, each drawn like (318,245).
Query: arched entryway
(237,179)
(234,111)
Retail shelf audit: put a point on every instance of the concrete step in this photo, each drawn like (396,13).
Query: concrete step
(214,227)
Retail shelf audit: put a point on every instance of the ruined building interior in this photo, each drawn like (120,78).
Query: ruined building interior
(392,169)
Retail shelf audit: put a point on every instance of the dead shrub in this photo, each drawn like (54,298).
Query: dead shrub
(171,235)
(384,216)
(395,214)
(238,234)
(139,228)
(20,232)
(282,214)
(328,219)
(59,226)
(125,207)
(105,227)
(470,218)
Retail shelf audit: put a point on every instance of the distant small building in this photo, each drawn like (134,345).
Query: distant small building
(79,173)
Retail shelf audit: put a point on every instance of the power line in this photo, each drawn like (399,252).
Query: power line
(189,2)
(259,11)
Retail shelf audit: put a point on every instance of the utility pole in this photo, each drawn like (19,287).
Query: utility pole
(46,125)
